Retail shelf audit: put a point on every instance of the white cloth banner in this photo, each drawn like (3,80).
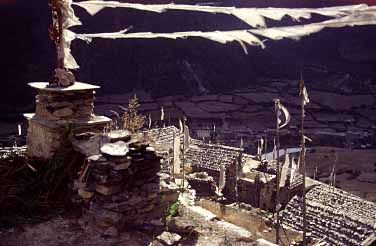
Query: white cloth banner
(352,15)
(246,36)
(296,32)
(254,17)
(69,61)
(69,19)
(241,36)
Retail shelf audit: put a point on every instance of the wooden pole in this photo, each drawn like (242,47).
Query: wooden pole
(184,150)
(61,39)
(57,31)
(183,172)
(265,144)
(238,166)
(302,162)
(277,111)
(173,155)
(236,182)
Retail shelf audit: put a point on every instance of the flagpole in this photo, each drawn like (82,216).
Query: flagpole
(302,160)
(277,110)
(184,148)
(173,151)
(236,180)
(183,154)
(238,165)
(266,144)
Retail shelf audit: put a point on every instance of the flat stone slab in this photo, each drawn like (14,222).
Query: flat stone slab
(117,149)
(94,120)
(77,86)
(119,135)
(97,158)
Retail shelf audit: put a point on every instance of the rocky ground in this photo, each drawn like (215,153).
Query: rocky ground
(195,227)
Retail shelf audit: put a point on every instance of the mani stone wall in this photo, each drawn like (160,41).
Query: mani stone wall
(163,136)
(122,185)
(334,215)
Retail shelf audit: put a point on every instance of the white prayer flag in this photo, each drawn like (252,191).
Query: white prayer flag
(279,108)
(186,138)
(293,170)
(176,154)
(287,116)
(284,171)
(181,128)
(332,174)
(19,130)
(162,114)
(298,165)
(254,17)
(352,15)
(303,92)
(222,178)
(307,138)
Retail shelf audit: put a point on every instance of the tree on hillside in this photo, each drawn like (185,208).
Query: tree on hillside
(132,120)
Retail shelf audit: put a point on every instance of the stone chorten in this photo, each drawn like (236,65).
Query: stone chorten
(56,109)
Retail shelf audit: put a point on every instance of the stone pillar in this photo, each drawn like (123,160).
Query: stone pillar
(59,110)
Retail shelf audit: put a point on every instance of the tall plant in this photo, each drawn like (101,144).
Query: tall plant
(132,120)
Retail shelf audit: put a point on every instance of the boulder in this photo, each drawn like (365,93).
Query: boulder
(181,225)
(169,238)
(91,145)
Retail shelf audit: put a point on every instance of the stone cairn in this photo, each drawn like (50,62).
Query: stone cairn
(56,109)
(63,105)
(122,185)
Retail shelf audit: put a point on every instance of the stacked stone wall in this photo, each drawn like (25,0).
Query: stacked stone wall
(124,186)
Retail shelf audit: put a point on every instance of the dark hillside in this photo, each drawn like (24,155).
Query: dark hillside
(165,67)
